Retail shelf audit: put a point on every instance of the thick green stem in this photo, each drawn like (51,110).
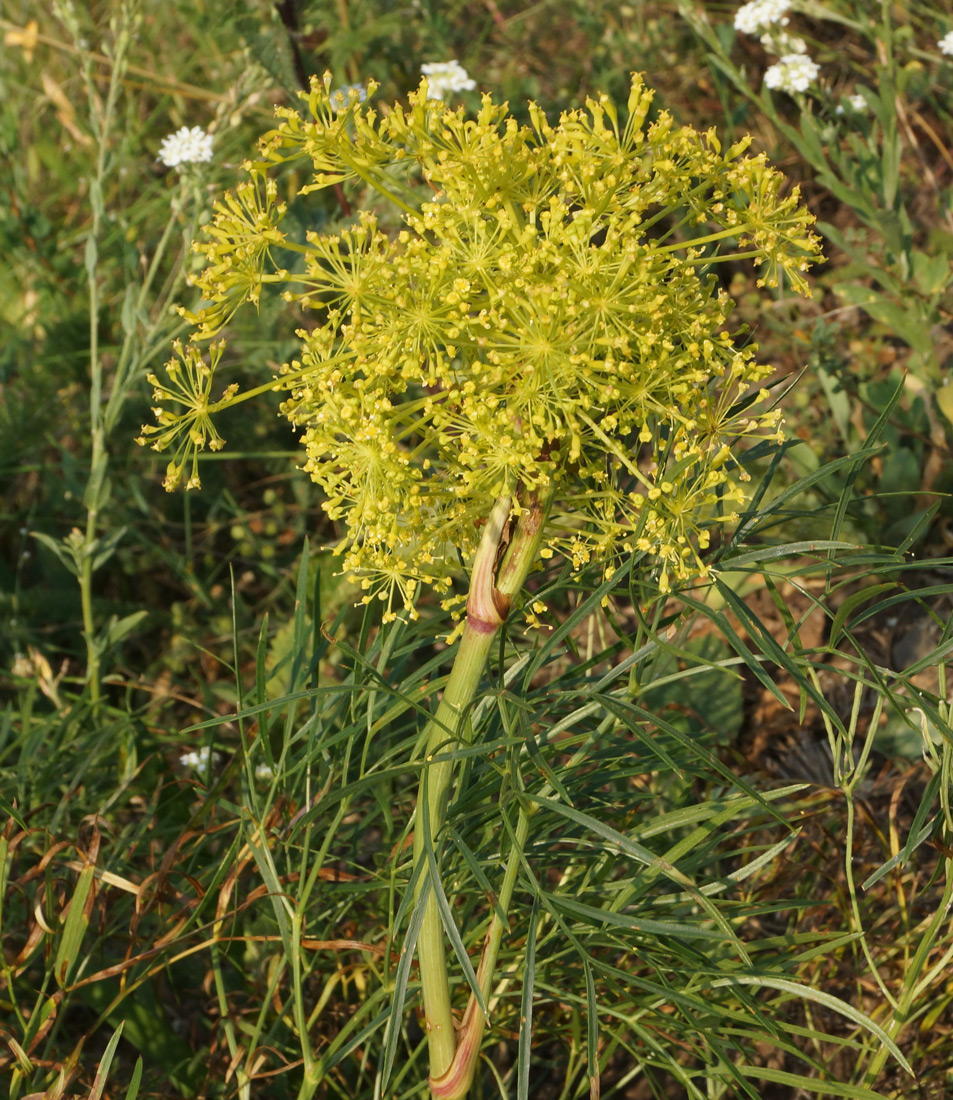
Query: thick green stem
(491,591)
(455,1082)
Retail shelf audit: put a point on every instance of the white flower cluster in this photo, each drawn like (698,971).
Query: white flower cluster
(186,146)
(946,44)
(793,73)
(759,14)
(446,76)
(854,103)
(198,760)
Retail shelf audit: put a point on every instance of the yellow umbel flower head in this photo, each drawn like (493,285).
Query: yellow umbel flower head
(548,321)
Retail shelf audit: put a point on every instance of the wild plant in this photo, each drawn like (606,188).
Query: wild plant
(145,321)
(536,364)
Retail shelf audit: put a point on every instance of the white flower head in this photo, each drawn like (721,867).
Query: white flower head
(188,145)
(946,44)
(446,76)
(264,773)
(793,73)
(343,97)
(197,760)
(758,15)
(855,102)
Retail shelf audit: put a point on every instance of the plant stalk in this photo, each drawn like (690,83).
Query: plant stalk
(492,588)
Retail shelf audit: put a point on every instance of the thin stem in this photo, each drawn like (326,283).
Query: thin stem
(301,1022)
(99,458)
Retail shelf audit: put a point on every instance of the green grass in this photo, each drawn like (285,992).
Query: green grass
(697,913)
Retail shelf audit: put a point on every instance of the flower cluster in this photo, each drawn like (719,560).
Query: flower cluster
(188,424)
(198,759)
(756,16)
(186,146)
(946,44)
(793,73)
(547,324)
(446,76)
(855,102)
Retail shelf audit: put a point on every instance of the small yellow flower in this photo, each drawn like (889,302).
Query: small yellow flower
(187,385)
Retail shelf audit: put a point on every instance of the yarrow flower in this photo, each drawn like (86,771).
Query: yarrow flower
(756,16)
(946,44)
(186,146)
(341,98)
(534,334)
(793,73)
(446,76)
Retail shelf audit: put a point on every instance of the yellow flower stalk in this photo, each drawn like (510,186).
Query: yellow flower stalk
(538,362)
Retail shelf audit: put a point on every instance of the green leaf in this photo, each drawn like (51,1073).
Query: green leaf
(39,1016)
(133,1091)
(592,1030)
(526,1007)
(401,977)
(91,256)
(798,1082)
(592,915)
(128,317)
(74,928)
(855,599)
(96,197)
(932,274)
(118,629)
(266,868)
(819,997)
(105,1062)
(102,549)
(62,549)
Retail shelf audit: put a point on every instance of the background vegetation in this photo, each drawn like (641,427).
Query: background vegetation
(738,879)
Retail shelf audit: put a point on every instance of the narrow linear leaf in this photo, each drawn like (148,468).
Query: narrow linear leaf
(133,1091)
(810,1085)
(526,1007)
(77,918)
(595,916)
(592,1032)
(266,868)
(450,927)
(401,976)
(818,996)
(105,1062)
